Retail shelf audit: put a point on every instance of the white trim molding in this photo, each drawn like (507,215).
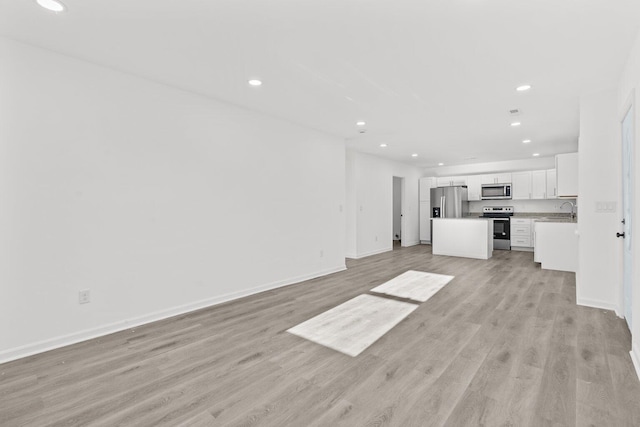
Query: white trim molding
(87,334)
(600,304)
(635,358)
(366,254)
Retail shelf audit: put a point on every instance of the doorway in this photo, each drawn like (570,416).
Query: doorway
(627,212)
(398,191)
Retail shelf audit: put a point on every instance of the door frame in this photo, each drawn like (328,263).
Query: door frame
(628,106)
(402,209)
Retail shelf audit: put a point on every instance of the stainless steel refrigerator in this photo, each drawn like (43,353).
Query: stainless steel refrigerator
(449,202)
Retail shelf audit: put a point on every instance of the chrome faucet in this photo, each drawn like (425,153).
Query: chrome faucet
(573,215)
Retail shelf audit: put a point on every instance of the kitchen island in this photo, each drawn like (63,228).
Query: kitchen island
(462,237)
(556,244)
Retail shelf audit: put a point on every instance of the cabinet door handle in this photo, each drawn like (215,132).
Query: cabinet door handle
(620,235)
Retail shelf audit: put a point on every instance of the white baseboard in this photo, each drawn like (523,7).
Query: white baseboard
(411,243)
(87,334)
(635,358)
(376,252)
(521,249)
(599,304)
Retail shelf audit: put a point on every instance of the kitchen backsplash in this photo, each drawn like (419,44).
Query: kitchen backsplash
(532,206)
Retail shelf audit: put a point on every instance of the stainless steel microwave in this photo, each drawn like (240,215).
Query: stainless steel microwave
(496,191)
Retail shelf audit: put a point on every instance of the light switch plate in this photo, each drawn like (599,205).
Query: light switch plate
(606,207)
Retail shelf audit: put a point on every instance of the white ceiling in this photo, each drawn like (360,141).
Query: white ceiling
(432,77)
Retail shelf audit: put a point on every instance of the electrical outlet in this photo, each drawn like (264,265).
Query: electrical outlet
(84,296)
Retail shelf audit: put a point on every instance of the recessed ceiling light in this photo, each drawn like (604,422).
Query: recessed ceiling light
(52,5)
(360,123)
(523,88)
(383,145)
(526,141)
(414,155)
(440,164)
(255,82)
(514,124)
(536,154)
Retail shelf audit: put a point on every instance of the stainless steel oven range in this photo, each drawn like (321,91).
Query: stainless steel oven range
(501,225)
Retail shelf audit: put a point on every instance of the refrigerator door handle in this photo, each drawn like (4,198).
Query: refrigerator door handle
(443,206)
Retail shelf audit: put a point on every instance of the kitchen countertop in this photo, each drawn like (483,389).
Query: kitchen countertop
(547,217)
(538,216)
(473,217)
(566,219)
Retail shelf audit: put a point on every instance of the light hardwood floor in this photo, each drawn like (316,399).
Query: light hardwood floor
(502,344)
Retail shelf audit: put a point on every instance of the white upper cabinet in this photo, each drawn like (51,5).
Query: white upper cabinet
(504,178)
(450,181)
(497,178)
(539,184)
(552,189)
(474,184)
(567,174)
(426,184)
(521,185)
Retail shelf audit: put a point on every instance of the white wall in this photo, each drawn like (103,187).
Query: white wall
(629,89)
(350,205)
(599,280)
(372,200)
(397,208)
(537,163)
(157,200)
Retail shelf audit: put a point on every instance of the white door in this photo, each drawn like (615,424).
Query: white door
(627,202)
(398,207)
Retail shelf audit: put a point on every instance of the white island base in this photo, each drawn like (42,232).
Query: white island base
(462,237)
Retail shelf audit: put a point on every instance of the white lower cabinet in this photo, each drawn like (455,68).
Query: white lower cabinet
(521,233)
(557,245)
